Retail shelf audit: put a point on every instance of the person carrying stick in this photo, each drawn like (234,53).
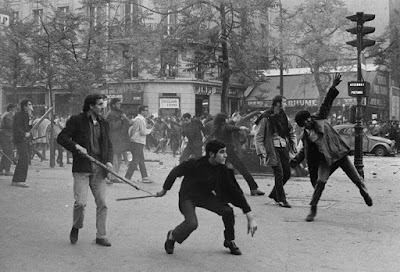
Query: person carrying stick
(88,134)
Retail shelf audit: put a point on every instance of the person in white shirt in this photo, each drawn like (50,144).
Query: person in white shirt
(137,133)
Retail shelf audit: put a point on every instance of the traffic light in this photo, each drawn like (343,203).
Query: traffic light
(360,30)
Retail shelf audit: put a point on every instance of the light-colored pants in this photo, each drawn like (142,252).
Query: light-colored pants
(97,184)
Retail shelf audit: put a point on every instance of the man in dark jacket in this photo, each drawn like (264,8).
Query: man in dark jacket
(119,126)
(192,129)
(88,134)
(6,142)
(21,135)
(208,184)
(325,150)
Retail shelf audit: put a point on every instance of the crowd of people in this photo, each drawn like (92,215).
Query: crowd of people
(209,152)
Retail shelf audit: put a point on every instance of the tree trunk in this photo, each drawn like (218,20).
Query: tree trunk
(321,89)
(225,65)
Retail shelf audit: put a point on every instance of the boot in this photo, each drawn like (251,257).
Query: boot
(313,213)
(364,193)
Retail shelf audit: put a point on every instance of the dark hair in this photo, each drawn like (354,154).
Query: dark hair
(24,103)
(277,99)
(186,115)
(114,101)
(11,106)
(213,146)
(302,116)
(90,99)
(142,108)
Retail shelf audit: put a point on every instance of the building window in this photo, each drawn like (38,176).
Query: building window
(15,17)
(37,16)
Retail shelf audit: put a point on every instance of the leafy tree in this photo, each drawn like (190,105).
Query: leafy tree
(15,68)
(218,33)
(314,36)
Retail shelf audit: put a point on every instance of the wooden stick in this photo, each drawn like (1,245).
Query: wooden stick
(115,174)
(41,119)
(134,197)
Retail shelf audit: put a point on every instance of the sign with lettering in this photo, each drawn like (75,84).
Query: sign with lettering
(169,103)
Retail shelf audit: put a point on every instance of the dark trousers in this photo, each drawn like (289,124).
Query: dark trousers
(137,159)
(192,148)
(324,171)
(281,173)
(59,148)
(21,170)
(234,159)
(211,203)
(8,150)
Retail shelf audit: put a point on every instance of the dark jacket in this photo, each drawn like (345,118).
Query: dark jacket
(118,131)
(7,120)
(199,175)
(20,126)
(193,131)
(77,131)
(329,143)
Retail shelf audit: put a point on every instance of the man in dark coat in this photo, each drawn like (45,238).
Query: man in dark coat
(325,150)
(88,134)
(208,184)
(192,129)
(119,126)
(6,142)
(21,135)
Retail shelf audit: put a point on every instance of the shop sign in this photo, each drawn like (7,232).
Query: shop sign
(111,96)
(169,103)
(203,90)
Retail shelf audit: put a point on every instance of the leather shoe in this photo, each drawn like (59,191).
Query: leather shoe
(103,242)
(367,198)
(256,192)
(73,236)
(274,198)
(284,204)
(233,247)
(169,244)
(313,213)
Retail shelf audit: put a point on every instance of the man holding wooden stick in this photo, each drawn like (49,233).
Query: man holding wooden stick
(21,133)
(88,134)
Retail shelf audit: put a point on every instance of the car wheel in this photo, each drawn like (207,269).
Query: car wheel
(380,151)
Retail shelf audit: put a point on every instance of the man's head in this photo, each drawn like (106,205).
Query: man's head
(279,102)
(186,117)
(115,103)
(303,119)
(216,152)
(26,105)
(93,103)
(11,108)
(144,110)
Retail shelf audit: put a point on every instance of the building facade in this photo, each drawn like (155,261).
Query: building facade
(175,91)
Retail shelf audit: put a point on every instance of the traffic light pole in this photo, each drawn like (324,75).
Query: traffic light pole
(358,128)
(360,18)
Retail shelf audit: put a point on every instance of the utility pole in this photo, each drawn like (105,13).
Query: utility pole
(280,49)
(359,88)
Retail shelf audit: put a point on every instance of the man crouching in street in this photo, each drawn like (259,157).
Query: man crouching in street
(88,134)
(208,183)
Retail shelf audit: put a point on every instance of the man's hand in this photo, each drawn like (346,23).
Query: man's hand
(161,193)
(263,160)
(251,224)
(27,134)
(336,79)
(81,149)
(109,166)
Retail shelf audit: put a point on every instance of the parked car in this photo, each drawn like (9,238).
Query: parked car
(370,144)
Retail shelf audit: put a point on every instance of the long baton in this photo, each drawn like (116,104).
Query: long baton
(134,197)
(114,174)
(41,119)
(2,152)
